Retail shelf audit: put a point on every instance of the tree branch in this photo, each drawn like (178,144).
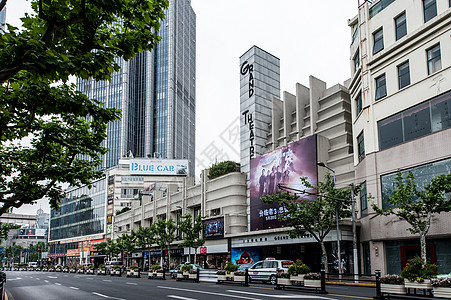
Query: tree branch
(2,4)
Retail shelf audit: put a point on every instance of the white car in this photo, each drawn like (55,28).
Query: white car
(266,270)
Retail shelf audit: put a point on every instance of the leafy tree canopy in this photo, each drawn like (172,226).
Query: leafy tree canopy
(38,104)
(222,168)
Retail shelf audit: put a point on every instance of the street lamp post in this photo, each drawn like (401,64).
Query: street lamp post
(321,164)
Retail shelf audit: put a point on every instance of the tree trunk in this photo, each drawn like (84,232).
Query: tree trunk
(169,258)
(423,246)
(324,254)
(161,258)
(195,255)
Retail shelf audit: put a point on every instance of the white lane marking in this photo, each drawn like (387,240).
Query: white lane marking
(38,279)
(132,283)
(74,288)
(57,283)
(180,297)
(106,280)
(52,276)
(279,296)
(14,278)
(105,296)
(89,278)
(44,281)
(208,293)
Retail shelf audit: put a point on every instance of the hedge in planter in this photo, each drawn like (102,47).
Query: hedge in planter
(442,287)
(417,273)
(392,284)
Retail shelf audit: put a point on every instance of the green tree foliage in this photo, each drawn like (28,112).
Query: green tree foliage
(164,232)
(316,217)
(416,206)
(121,211)
(109,248)
(37,103)
(144,237)
(222,168)
(12,253)
(5,228)
(126,243)
(193,232)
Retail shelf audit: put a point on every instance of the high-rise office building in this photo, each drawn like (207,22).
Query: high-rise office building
(156,93)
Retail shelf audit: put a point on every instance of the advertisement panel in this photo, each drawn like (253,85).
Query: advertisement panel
(245,255)
(282,166)
(214,229)
(141,166)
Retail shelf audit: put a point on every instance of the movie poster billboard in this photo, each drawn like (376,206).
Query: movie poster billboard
(282,166)
(214,229)
(245,256)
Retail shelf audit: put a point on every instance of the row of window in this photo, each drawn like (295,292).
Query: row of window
(429,12)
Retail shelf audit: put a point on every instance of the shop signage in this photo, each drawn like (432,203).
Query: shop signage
(73,252)
(248,120)
(203,250)
(137,254)
(140,166)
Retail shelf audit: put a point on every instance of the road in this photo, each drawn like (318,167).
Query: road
(57,286)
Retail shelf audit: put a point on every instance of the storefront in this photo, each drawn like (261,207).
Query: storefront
(213,254)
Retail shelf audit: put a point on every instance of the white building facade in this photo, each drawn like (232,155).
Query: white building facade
(401,120)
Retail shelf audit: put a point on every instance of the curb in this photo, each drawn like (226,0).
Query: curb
(351,284)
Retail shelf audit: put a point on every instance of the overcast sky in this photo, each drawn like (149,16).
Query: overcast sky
(309,38)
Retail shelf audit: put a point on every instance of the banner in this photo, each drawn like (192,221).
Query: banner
(141,166)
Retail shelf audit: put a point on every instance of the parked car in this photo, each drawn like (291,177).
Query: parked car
(110,264)
(173,272)
(266,270)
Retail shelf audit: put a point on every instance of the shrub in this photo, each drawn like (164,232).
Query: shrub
(417,270)
(192,271)
(80,267)
(186,267)
(312,276)
(392,279)
(155,267)
(90,266)
(125,209)
(101,266)
(133,267)
(116,267)
(230,267)
(282,275)
(221,272)
(443,282)
(222,168)
(73,267)
(298,268)
(239,273)
(66,267)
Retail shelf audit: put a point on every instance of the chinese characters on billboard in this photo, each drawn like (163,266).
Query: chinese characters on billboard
(283,166)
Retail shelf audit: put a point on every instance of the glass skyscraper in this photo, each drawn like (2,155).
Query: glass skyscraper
(156,93)
(3,18)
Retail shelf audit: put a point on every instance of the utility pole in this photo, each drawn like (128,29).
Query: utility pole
(354,236)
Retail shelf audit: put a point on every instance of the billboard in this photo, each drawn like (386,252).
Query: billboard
(32,231)
(141,166)
(214,229)
(245,255)
(282,166)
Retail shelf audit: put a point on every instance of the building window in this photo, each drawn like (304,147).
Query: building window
(429,9)
(356,61)
(401,26)
(215,212)
(403,75)
(358,103)
(378,41)
(434,59)
(422,119)
(381,87)
(361,146)
(363,201)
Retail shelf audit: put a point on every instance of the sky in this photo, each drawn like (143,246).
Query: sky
(309,38)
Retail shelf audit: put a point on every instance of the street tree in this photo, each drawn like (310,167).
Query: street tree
(126,243)
(316,217)
(47,127)
(193,232)
(109,248)
(144,237)
(165,233)
(417,205)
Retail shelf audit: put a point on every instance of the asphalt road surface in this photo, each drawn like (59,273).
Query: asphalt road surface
(64,286)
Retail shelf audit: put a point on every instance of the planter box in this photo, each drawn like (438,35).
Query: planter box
(101,272)
(222,277)
(239,278)
(80,271)
(90,271)
(115,272)
(297,277)
(284,281)
(180,276)
(442,292)
(426,285)
(72,271)
(393,288)
(192,276)
(159,275)
(133,273)
(185,273)
(312,283)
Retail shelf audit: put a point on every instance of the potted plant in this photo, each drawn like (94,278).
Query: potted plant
(90,269)
(417,274)
(73,269)
(230,269)
(442,287)
(154,268)
(66,268)
(133,271)
(239,276)
(283,278)
(180,274)
(116,270)
(101,270)
(192,274)
(221,275)
(298,270)
(58,268)
(185,269)
(81,269)
(392,284)
(312,280)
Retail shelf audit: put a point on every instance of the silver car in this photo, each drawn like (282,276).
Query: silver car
(266,270)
